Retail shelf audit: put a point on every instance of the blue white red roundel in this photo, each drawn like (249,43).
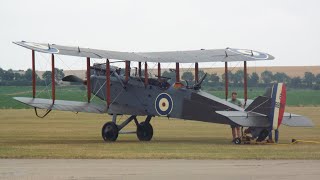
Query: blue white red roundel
(163,104)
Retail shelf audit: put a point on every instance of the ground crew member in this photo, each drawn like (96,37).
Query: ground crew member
(235,128)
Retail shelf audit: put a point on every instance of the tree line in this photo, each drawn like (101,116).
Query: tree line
(309,80)
(236,79)
(17,78)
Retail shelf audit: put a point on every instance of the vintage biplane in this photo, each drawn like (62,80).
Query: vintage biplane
(142,95)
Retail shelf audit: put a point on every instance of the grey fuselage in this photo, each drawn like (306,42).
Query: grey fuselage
(187,103)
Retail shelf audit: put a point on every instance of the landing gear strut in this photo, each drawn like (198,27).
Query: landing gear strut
(111,130)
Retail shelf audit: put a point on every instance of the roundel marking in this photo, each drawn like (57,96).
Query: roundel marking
(163,104)
(250,53)
(41,47)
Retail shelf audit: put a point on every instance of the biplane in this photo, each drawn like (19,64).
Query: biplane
(142,95)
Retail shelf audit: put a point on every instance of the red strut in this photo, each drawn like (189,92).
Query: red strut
(108,98)
(127,71)
(245,82)
(33,75)
(226,78)
(177,73)
(146,82)
(196,72)
(88,80)
(159,71)
(53,83)
(139,69)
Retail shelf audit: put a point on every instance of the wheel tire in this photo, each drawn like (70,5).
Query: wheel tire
(237,141)
(109,132)
(144,131)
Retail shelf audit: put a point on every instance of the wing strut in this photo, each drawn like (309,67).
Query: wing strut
(88,80)
(108,96)
(226,79)
(33,75)
(177,73)
(127,71)
(139,69)
(245,83)
(53,84)
(196,72)
(146,74)
(159,71)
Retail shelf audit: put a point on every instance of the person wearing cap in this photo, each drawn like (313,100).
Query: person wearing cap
(235,128)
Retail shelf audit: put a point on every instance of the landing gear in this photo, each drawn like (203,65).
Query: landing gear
(144,131)
(110,131)
(237,141)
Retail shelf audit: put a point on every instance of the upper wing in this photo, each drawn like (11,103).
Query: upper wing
(191,56)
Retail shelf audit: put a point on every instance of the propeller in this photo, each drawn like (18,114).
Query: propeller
(75,79)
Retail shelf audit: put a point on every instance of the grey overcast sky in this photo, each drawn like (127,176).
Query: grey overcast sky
(287,29)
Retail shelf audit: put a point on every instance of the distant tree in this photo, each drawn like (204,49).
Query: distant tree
(187,76)
(281,77)
(59,74)
(296,82)
(47,76)
(237,77)
(214,78)
(170,74)
(230,76)
(18,76)
(309,78)
(266,76)
(1,74)
(253,79)
(8,75)
(318,79)
(28,75)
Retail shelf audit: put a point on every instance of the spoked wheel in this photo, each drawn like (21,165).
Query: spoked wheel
(110,131)
(237,141)
(144,131)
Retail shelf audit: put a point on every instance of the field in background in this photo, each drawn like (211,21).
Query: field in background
(291,71)
(295,97)
(70,135)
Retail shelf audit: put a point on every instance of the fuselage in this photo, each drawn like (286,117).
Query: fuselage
(156,99)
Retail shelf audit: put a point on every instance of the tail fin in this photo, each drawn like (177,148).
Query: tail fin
(272,104)
(278,104)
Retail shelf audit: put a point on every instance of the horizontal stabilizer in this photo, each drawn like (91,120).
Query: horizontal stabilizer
(246,119)
(62,105)
(296,120)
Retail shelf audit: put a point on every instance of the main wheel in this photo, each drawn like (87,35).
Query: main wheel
(144,131)
(110,131)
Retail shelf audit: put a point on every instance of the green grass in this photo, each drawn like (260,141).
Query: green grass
(78,93)
(70,135)
(295,97)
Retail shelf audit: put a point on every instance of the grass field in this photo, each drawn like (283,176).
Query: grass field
(70,135)
(294,97)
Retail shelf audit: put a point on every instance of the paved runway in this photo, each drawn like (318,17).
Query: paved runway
(158,169)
